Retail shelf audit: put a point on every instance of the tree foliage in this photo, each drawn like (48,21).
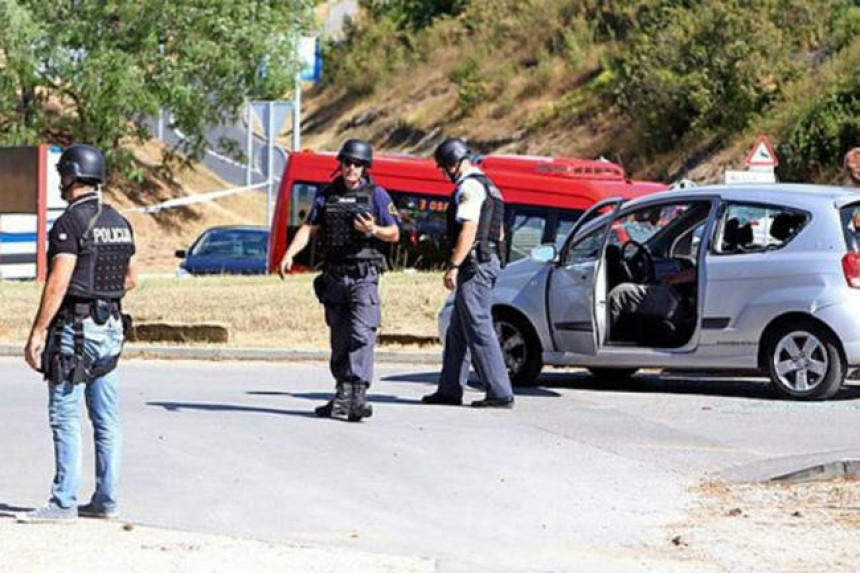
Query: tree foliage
(87,70)
(413,14)
(824,125)
(688,68)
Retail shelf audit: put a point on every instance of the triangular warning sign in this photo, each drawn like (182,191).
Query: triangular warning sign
(762,154)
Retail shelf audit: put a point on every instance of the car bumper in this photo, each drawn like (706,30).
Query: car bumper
(844,320)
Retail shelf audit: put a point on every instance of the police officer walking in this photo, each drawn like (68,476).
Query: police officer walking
(352,218)
(77,335)
(475,231)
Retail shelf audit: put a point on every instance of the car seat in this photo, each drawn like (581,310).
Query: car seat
(784,225)
(736,237)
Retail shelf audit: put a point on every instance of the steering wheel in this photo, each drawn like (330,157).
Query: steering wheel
(638,262)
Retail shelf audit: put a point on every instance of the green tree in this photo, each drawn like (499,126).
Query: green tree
(693,69)
(104,64)
(413,14)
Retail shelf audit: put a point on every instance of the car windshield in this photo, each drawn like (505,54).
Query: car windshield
(232,244)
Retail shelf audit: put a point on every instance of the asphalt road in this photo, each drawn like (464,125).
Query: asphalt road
(578,468)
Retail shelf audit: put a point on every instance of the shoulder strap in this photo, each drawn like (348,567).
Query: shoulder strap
(489,186)
(88,231)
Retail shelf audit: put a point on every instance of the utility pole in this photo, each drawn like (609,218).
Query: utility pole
(297,91)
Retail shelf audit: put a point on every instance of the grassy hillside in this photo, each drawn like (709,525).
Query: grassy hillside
(668,88)
(159,235)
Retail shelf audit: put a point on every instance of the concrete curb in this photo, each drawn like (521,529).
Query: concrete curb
(806,465)
(243,354)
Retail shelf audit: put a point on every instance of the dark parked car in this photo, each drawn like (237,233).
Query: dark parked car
(227,250)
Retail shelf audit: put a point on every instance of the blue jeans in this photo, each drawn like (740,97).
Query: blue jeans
(64,406)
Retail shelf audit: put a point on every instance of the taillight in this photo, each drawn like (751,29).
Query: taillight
(851,268)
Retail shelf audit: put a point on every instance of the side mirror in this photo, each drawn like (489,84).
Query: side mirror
(544,253)
(180,254)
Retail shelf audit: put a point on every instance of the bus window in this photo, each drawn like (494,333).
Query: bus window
(300,205)
(423,241)
(526,233)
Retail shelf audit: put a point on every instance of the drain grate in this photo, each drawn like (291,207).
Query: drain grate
(825,471)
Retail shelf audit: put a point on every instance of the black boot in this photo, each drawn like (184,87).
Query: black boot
(358,406)
(341,400)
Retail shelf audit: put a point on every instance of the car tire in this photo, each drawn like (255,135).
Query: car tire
(521,348)
(612,373)
(800,350)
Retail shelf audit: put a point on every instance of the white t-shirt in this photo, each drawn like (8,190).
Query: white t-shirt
(470,196)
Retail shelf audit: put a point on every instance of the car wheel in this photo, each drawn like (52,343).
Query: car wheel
(612,373)
(804,362)
(520,348)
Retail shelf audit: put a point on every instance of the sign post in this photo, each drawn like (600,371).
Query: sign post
(760,161)
(272,115)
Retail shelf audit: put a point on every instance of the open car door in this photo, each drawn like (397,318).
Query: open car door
(570,290)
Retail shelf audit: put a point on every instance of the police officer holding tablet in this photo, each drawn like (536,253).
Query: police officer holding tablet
(475,231)
(77,336)
(352,219)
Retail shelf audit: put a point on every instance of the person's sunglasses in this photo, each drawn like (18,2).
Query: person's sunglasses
(352,163)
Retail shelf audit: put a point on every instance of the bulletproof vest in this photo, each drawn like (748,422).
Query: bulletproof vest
(341,243)
(105,248)
(490,222)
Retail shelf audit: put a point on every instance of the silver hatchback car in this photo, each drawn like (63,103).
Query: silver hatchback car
(751,277)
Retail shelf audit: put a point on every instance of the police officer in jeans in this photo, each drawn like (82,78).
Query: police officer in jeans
(475,230)
(77,335)
(352,219)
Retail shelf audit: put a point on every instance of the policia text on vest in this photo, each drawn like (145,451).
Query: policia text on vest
(78,333)
(352,218)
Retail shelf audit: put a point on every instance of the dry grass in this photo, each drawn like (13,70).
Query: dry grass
(259,311)
(755,528)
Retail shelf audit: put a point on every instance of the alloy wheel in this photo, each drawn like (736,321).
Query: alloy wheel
(800,361)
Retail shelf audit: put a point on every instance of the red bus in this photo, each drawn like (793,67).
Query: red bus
(543,197)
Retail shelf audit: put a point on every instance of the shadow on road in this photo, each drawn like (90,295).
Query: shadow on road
(650,383)
(178,406)
(7,510)
(388,398)
(433,378)
(756,388)
(325,396)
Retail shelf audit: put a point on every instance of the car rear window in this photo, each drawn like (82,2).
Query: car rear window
(750,228)
(850,215)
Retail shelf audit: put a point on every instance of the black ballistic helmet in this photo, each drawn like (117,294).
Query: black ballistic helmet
(357,150)
(451,152)
(83,163)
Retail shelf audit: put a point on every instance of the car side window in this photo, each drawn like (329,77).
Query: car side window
(687,247)
(755,228)
(643,224)
(586,248)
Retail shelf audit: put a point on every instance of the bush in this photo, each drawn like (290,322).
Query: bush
(367,56)
(825,127)
(472,88)
(707,69)
(413,14)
